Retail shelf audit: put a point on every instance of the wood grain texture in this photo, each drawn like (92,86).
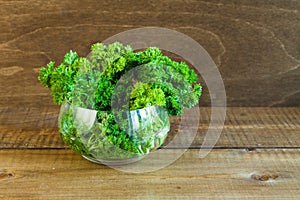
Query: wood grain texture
(244,128)
(223,174)
(254,43)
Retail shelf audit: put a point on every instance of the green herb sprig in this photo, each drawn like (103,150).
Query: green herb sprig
(91,83)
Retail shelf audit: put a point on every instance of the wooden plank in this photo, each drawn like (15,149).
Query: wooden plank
(244,128)
(29,128)
(223,174)
(248,49)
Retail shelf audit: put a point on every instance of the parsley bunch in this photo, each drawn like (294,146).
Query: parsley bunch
(97,81)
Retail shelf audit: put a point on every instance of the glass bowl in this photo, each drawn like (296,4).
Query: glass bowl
(113,138)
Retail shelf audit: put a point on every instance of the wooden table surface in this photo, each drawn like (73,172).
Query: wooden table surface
(255,44)
(257,156)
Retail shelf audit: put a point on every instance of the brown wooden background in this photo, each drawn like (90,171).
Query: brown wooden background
(255,44)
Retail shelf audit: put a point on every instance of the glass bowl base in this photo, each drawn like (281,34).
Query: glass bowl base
(113,162)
